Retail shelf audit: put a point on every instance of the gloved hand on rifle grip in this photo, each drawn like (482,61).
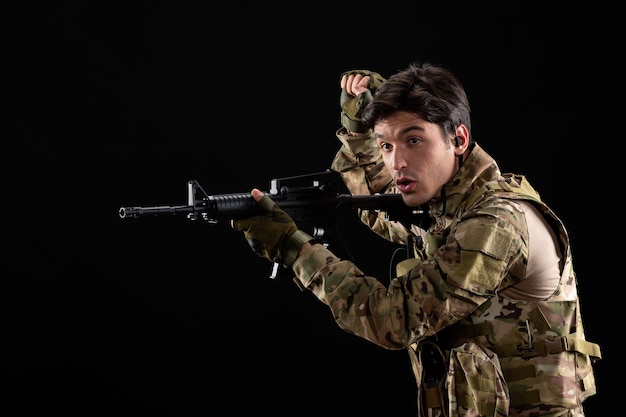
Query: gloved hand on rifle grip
(352,106)
(272,234)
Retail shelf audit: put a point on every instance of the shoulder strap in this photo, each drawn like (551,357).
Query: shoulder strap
(514,183)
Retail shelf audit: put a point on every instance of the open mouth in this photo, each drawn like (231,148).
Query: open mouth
(404,184)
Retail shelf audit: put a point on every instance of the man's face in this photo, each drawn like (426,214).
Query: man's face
(416,154)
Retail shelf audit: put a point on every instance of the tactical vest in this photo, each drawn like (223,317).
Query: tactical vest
(526,355)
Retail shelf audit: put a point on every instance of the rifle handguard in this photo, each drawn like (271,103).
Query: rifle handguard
(293,245)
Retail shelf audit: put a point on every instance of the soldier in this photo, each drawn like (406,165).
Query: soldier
(488,308)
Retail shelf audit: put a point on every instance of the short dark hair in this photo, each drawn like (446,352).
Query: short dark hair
(431,92)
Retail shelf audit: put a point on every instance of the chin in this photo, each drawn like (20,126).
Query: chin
(411,200)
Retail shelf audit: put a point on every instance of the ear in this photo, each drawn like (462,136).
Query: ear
(461,139)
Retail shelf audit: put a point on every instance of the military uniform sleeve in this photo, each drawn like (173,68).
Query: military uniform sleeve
(464,272)
(360,163)
(413,306)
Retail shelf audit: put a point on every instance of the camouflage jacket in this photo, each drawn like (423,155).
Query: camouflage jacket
(498,354)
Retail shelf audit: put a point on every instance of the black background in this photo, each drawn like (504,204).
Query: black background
(111,104)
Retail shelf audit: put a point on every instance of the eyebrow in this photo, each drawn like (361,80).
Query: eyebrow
(403,131)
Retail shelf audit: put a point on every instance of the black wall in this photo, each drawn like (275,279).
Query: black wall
(111,104)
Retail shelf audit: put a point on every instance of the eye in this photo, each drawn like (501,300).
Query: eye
(384,146)
(414,141)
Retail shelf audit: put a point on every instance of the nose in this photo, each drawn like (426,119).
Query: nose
(398,160)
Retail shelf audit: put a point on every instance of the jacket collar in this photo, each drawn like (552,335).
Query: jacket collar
(477,169)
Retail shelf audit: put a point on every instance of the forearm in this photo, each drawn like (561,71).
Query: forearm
(359,304)
(410,308)
(359,161)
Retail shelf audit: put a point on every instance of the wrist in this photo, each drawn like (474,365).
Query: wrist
(353,127)
(294,245)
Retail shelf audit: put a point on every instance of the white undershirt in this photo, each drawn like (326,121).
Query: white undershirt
(543,269)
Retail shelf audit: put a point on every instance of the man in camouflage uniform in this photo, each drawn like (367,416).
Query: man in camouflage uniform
(488,309)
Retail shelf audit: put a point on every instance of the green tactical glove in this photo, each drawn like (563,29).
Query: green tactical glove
(273,234)
(352,107)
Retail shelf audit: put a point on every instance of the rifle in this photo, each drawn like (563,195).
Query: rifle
(313,201)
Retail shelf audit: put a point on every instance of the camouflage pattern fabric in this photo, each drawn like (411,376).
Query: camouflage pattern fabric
(534,353)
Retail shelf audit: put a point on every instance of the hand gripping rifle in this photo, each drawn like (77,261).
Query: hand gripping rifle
(314,202)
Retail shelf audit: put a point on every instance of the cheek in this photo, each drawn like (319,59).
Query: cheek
(448,166)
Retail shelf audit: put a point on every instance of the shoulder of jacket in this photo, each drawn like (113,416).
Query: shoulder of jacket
(514,186)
